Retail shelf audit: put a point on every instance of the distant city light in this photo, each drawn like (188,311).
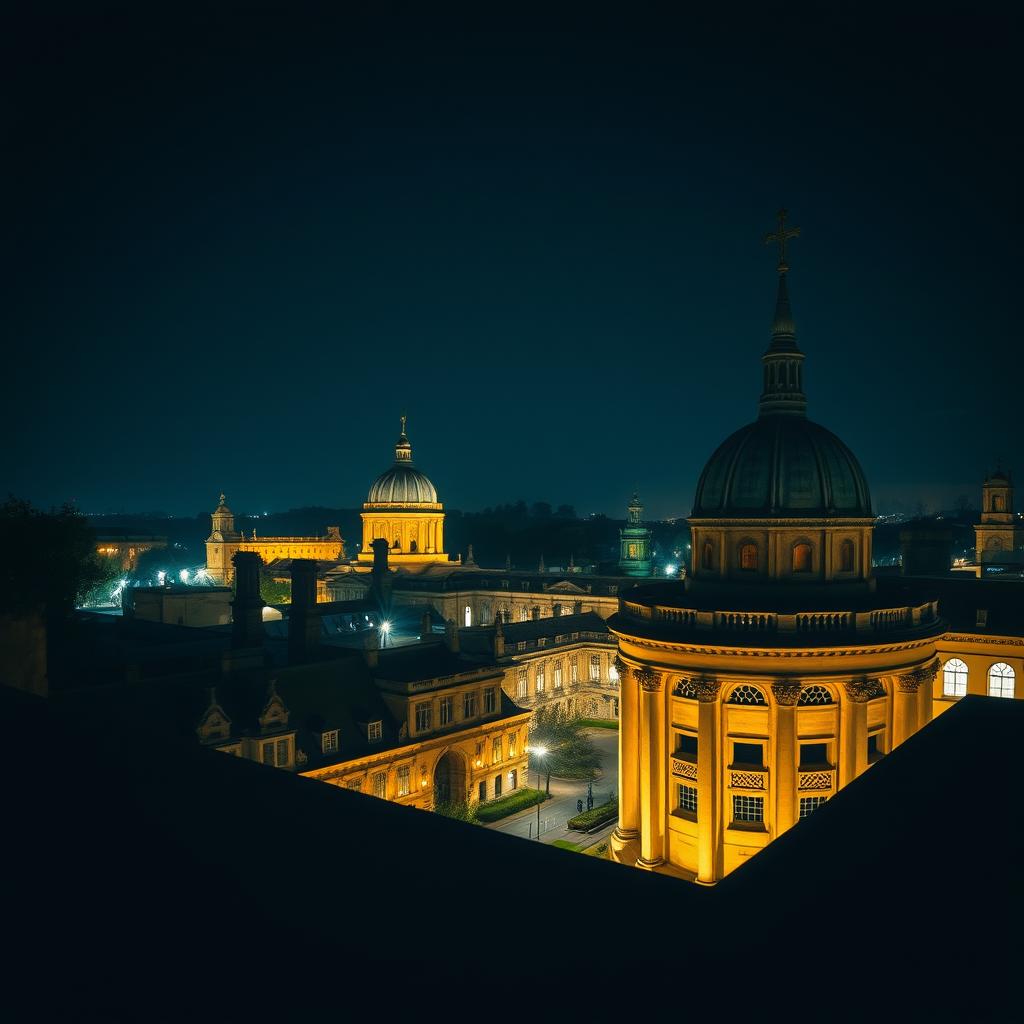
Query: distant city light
(161,575)
(183,575)
(671,570)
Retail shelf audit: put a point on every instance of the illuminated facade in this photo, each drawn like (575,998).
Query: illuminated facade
(225,541)
(779,670)
(402,508)
(999,537)
(125,550)
(635,542)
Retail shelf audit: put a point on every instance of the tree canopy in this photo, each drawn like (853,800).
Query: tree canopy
(571,753)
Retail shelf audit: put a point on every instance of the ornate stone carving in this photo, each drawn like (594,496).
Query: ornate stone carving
(814,780)
(909,682)
(862,690)
(706,690)
(648,678)
(747,780)
(786,692)
(621,667)
(684,769)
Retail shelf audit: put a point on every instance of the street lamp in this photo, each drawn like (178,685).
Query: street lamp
(539,753)
(385,632)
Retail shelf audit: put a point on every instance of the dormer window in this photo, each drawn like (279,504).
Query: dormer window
(329,742)
(374,731)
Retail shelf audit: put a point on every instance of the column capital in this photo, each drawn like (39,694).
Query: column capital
(648,678)
(860,691)
(706,690)
(786,692)
(909,682)
(621,667)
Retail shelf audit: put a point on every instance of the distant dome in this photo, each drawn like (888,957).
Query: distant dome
(782,466)
(402,484)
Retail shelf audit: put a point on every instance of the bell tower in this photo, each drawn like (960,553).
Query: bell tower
(999,537)
(635,542)
(222,543)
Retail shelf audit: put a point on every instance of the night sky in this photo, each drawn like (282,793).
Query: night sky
(240,244)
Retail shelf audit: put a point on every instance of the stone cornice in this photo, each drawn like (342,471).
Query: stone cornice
(778,652)
(981,638)
(786,693)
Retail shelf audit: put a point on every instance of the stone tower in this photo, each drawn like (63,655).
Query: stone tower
(635,542)
(999,537)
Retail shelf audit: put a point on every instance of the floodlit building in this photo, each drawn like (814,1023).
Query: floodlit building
(779,670)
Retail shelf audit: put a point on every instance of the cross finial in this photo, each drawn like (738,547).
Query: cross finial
(403,418)
(781,237)
(222,497)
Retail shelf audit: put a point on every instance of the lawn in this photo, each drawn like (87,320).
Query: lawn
(600,723)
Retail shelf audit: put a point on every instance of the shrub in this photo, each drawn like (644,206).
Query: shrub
(506,805)
(591,819)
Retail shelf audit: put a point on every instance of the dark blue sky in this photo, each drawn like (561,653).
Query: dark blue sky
(241,243)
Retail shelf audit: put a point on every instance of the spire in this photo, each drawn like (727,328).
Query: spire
(403,449)
(540,567)
(783,391)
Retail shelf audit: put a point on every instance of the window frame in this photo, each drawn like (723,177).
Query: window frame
(951,682)
(329,741)
(1010,674)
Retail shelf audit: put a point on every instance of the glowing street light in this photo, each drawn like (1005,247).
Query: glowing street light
(541,753)
(385,632)
(670,570)
(183,575)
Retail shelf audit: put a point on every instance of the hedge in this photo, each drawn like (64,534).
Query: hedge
(600,723)
(506,805)
(591,819)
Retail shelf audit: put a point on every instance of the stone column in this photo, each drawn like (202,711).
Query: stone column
(925,693)
(853,732)
(906,702)
(707,761)
(627,833)
(653,769)
(786,693)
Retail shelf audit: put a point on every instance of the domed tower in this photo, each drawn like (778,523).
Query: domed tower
(776,672)
(221,545)
(402,508)
(635,542)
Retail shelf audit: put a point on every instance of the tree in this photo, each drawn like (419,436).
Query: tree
(274,591)
(571,753)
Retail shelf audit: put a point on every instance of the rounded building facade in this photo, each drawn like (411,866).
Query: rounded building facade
(774,674)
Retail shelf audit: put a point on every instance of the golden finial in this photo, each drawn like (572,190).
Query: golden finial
(403,422)
(781,237)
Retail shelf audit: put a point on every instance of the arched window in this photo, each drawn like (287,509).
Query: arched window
(846,556)
(811,695)
(413,547)
(708,557)
(954,678)
(748,555)
(801,557)
(1000,680)
(998,503)
(747,695)
(469,615)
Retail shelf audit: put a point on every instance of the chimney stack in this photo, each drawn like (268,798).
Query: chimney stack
(426,625)
(303,620)
(499,637)
(452,636)
(247,607)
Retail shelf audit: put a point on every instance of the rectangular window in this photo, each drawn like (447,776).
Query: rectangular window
(558,675)
(512,747)
(424,717)
(329,742)
(482,791)
(282,753)
(542,641)
(497,785)
(874,747)
(522,682)
(403,780)
(688,799)
(686,746)
(521,646)
(447,711)
(373,731)
(748,808)
(595,668)
(814,755)
(489,701)
(524,614)
(496,750)
(809,804)
(354,784)
(750,755)
(513,779)
(574,670)
(380,782)
(268,753)
(539,685)
(469,705)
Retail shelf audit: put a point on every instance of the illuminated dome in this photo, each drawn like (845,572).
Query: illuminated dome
(402,484)
(782,466)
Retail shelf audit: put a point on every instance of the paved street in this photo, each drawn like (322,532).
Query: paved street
(554,813)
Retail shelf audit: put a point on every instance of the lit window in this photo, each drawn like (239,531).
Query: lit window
(801,558)
(469,705)
(522,682)
(1000,680)
(539,683)
(748,556)
(373,731)
(490,703)
(748,808)
(574,670)
(808,804)
(512,747)
(524,614)
(380,782)
(469,615)
(496,750)
(424,717)
(513,779)
(688,799)
(558,675)
(329,742)
(595,667)
(403,780)
(954,678)
(520,646)
(446,711)
(846,557)
(613,673)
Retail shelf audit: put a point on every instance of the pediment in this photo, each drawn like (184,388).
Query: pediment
(565,587)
